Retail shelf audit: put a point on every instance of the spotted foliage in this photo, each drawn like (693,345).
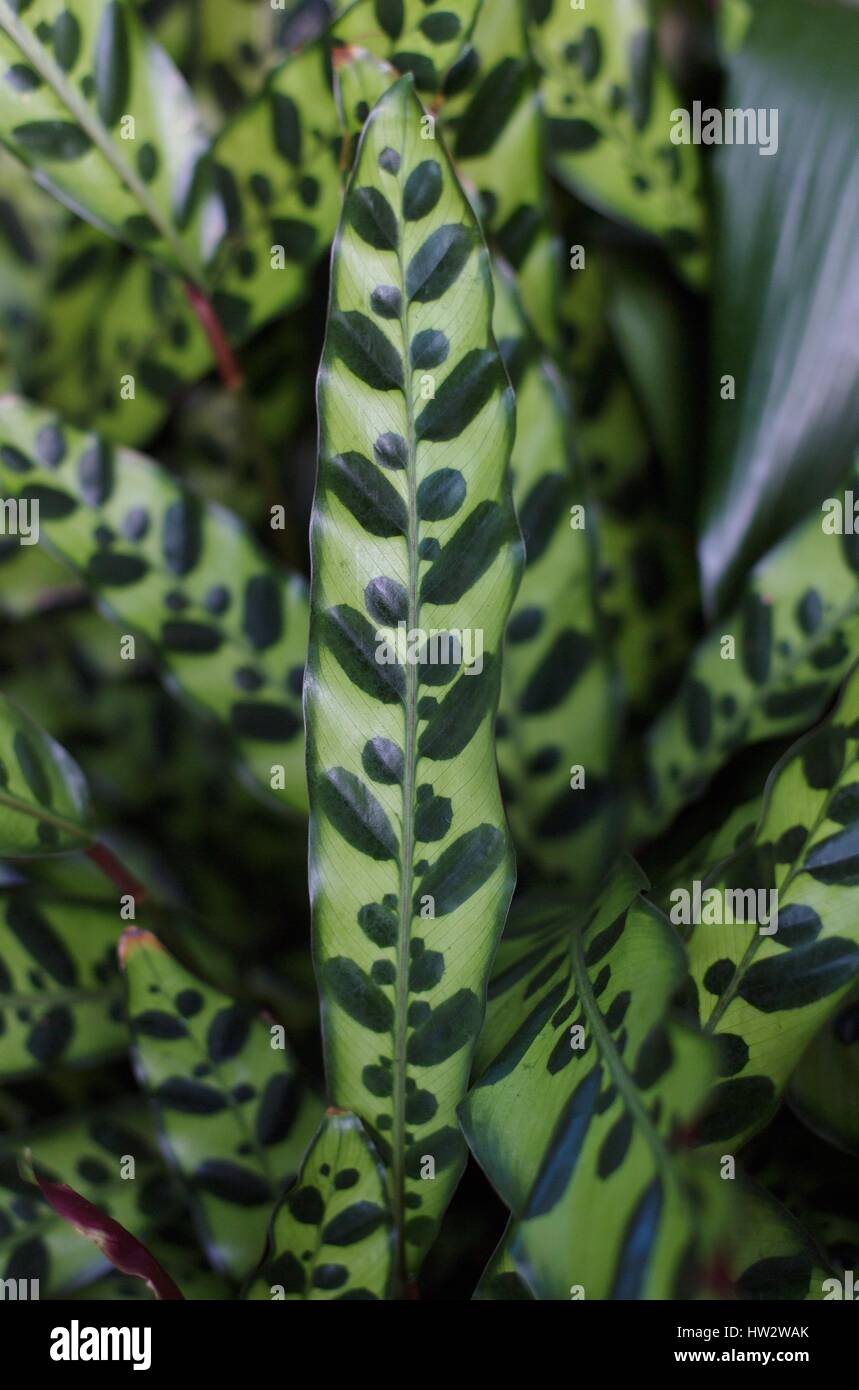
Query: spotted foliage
(763,995)
(60,992)
(44,801)
(91,1152)
(234,1114)
(72,78)
(558,715)
(608,100)
(229,627)
(767,669)
(493,123)
(413,534)
(232,44)
(578,1119)
(269,186)
(331,1236)
(412,37)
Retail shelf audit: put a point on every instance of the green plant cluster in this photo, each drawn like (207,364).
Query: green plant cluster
(410,451)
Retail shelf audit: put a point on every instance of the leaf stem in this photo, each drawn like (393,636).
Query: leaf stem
(115,870)
(229,370)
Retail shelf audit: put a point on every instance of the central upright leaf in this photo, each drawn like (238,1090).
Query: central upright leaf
(416,557)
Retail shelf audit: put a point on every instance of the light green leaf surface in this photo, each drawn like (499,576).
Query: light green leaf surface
(764,995)
(608,101)
(493,123)
(73,77)
(411,38)
(60,991)
(579,1122)
(228,625)
(331,1236)
(233,1112)
(411,869)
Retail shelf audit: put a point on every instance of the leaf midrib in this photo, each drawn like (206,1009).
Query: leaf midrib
(77,107)
(408,794)
(605,1043)
(730,994)
(23,808)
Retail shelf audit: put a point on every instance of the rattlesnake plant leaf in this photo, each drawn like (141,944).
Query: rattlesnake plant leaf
(114,324)
(584,1143)
(235,1116)
(766,670)
(534,943)
(233,44)
(785,291)
(360,79)
(609,101)
(501,1280)
(493,124)
(331,1236)
(60,991)
(764,994)
(73,78)
(413,538)
(559,703)
(44,801)
(411,38)
(648,582)
(275,168)
(229,626)
(93,1152)
(824,1087)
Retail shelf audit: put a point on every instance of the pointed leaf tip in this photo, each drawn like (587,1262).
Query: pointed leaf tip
(124,1251)
(135,939)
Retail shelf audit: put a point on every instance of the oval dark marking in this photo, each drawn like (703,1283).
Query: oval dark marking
(357,995)
(231,1183)
(387,601)
(112,66)
(262,612)
(354,811)
(373,218)
(422,190)
(382,760)
(437,265)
